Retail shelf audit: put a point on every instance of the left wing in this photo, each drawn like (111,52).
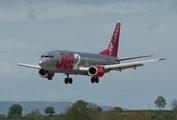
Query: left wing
(29,66)
(128,65)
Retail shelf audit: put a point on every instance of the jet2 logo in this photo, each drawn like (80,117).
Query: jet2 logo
(67,62)
(111,44)
(116,32)
(110,48)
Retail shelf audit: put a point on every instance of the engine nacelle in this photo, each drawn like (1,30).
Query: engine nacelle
(42,73)
(96,71)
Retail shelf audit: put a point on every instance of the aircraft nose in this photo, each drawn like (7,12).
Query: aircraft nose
(46,64)
(42,63)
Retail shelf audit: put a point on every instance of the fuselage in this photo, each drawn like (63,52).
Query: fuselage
(63,61)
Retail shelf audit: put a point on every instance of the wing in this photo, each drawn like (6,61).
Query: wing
(128,65)
(130,58)
(29,66)
(121,66)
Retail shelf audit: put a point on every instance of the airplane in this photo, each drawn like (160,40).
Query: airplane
(89,64)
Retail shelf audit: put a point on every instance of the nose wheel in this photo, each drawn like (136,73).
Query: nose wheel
(50,76)
(95,79)
(68,80)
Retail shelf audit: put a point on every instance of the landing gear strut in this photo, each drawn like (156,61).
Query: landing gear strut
(95,79)
(50,76)
(68,80)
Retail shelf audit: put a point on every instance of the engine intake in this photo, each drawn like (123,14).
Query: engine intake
(96,71)
(44,74)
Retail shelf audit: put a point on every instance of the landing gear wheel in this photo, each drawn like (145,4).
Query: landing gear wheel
(66,80)
(95,79)
(70,80)
(92,80)
(49,77)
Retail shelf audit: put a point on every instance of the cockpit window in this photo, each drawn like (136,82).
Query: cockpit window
(47,55)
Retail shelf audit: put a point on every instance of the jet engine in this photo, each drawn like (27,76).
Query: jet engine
(44,74)
(96,71)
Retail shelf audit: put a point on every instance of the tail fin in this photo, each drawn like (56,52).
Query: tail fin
(112,48)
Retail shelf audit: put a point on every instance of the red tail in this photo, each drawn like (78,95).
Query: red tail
(112,48)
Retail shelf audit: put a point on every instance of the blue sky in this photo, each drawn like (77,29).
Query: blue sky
(30,28)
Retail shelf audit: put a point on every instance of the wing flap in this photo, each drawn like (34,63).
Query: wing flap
(29,66)
(128,65)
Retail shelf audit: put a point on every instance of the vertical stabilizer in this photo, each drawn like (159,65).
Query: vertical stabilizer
(112,48)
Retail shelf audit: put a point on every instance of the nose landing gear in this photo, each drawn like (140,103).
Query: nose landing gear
(50,76)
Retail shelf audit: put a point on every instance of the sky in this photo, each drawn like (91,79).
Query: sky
(30,28)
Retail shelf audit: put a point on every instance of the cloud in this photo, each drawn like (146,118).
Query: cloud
(93,2)
(5,67)
(51,10)
(31,14)
(151,27)
(173,5)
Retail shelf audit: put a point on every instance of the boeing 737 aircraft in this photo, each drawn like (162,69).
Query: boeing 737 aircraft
(79,63)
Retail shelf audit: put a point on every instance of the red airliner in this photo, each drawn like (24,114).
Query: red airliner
(89,64)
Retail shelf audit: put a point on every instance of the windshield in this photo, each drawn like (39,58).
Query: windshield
(47,55)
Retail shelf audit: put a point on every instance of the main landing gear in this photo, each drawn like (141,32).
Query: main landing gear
(95,79)
(68,80)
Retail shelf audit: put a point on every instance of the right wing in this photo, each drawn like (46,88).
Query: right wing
(29,66)
(123,66)
(130,58)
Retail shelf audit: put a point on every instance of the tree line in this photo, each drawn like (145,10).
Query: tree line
(82,110)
